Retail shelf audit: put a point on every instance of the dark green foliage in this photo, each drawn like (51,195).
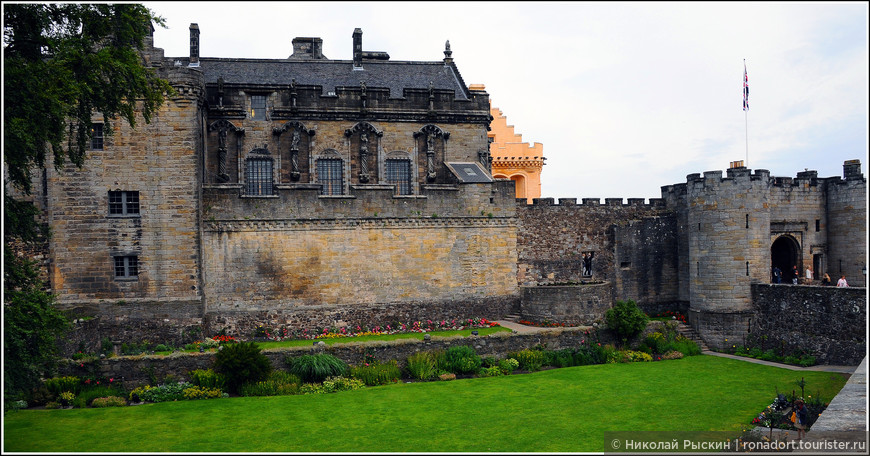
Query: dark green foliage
(626,319)
(460,359)
(242,363)
(64,62)
(316,368)
(84,398)
(422,365)
(377,373)
(529,359)
(208,378)
(279,383)
(31,327)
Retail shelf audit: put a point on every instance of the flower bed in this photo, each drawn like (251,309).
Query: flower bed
(284,333)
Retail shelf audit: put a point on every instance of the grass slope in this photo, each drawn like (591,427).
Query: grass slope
(559,410)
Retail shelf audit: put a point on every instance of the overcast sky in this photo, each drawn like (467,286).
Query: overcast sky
(625,97)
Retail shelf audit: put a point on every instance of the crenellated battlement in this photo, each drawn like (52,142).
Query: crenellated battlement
(654,203)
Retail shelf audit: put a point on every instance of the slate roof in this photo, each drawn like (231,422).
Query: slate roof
(395,75)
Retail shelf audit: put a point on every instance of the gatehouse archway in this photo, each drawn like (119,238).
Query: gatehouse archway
(785,253)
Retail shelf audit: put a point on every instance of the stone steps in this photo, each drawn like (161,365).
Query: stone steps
(512,317)
(690,333)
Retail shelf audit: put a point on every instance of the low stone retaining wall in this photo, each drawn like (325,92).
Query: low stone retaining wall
(581,304)
(138,370)
(829,322)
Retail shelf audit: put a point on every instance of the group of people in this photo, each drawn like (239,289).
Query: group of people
(794,274)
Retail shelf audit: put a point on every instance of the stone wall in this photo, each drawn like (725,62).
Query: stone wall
(634,250)
(828,322)
(573,305)
(138,370)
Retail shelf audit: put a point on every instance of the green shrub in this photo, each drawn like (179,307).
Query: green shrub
(374,374)
(489,361)
(163,393)
(611,354)
(162,348)
(422,365)
(590,354)
(241,363)
(208,378)
(279,383)
(508,365)
(632,356)
(493,371)
(316,368)
(136,394)
(626,319)
(199,392)
(530,360)
(66,398)
(86,397)
(807,360)
(460,359)
(561,358)
(58,385)
(332,385)
(687,347)
(111,401)
(769,355)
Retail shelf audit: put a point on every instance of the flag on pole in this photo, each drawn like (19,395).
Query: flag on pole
(745,88)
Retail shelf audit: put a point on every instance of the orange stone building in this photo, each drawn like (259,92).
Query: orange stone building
(514,159)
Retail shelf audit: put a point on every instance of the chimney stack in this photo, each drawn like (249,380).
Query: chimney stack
(357,48)
(194,45)
(852,169)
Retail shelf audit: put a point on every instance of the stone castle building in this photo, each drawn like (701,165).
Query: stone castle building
(311,192)
(514,159)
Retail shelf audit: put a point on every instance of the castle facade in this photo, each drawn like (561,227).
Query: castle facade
(312,192)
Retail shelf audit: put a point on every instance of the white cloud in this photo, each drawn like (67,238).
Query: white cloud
(625,97)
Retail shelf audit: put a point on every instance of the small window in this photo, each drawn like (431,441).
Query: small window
(97,136)
(329,174)
(126,267)
(258,107)
(124,203)
(399,174)
(818,225)
(259,177)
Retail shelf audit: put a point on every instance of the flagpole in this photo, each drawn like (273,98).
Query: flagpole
(746,108)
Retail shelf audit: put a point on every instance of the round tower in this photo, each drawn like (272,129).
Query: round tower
(728,224)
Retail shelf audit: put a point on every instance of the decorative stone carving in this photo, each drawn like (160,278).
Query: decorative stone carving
(222,127)
(297,130)
(431,132)
(363,129)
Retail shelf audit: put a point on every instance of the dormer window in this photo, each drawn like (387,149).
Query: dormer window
(258,107)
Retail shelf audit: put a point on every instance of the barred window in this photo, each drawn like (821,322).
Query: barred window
(329,173)
(126,267)
(399,174)
(123,203)
(97,136)
(258,176)
(258,107)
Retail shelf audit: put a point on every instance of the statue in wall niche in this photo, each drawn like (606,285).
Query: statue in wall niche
(363,157)
(294,156)
(430,157)
(220,91)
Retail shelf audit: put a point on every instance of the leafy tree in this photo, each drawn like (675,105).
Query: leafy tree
(242,363)
(626,319)
(62,63)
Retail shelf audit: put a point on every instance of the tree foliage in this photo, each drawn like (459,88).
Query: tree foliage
(626,319)
(62,64)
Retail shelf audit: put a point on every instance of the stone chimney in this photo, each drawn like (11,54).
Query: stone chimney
(357,48)
(852,169)
(307,48)
(194,45)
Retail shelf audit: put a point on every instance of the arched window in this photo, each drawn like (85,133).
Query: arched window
(399,174)
(258,176)
(330,176)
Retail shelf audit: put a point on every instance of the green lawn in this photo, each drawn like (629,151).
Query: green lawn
(559,410)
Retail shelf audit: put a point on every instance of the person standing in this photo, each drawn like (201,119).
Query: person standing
(777,274)
(800,417)
(795,275)
(809,275)
(826,280)
(842,282)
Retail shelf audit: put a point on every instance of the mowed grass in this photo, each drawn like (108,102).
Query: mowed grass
(558,410)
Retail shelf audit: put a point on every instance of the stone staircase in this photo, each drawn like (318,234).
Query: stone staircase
(512,317)
(690,333)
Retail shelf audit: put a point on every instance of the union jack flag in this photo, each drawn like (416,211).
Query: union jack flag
(745,89)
